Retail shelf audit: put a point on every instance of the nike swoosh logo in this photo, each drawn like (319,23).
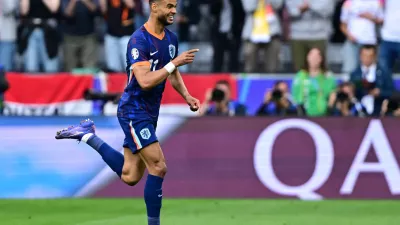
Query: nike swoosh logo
(153,53)
(159,196)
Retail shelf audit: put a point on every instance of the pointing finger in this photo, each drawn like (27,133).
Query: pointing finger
(193,50)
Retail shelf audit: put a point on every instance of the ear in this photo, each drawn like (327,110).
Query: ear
(154,6)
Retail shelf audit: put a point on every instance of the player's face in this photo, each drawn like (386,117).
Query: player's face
(166,11)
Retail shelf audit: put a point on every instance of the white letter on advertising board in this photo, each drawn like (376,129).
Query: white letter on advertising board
(324,159)
(376,137)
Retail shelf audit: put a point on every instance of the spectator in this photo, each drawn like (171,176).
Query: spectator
(228,17)
(218,102)
(140,15)
(277,102)
(337,35)
(119,16)
(358,22)
(262,31)
(8,34)
(373,82)
(146,9)
(310,27)
(345,103)
(4,85)
(390,46)
(79,33)
(313,86)
(188,16)
(39,39)
(391,106)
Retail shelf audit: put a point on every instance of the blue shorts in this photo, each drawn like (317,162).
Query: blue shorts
(138,133)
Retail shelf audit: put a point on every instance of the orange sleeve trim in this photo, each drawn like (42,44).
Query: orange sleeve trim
(143,63)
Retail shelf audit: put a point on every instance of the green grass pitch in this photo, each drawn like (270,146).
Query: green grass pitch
(199,212)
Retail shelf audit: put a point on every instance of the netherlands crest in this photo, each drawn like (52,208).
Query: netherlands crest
(172,51)
(145,133)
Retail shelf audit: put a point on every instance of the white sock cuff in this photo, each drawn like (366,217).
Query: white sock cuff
(86,137)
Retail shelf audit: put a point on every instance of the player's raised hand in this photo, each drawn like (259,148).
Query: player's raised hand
(185,58)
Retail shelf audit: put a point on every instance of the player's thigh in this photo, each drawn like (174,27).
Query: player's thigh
(154,159)
(139,133)
(140,138)
(131,140)
(133,165)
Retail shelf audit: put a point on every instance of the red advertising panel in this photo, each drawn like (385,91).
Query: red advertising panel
(197,84)
(47,94)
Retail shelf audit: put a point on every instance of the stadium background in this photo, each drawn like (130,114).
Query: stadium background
(233,170)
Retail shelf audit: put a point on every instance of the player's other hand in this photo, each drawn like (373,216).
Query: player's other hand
(185,58)
(194,103)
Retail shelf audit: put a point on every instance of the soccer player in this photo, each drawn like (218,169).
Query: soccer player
(151,59)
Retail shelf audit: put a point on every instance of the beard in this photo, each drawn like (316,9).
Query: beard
(164,20)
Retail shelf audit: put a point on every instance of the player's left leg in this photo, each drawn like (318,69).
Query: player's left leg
(153,157)
(148,148)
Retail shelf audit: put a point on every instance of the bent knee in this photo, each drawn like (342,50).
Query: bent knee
(129,179)
(158,169)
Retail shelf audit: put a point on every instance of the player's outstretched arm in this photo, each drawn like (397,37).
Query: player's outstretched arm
(148,79)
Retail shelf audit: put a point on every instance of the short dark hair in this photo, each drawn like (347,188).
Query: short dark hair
(152,1)
(224,82)
(369,47)
(278,82)
(346,83)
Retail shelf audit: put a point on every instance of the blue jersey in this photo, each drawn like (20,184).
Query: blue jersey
(155,51)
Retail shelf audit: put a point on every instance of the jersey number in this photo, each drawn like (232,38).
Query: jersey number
(153,65)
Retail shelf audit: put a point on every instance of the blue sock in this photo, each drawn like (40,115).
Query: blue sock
(113,158)
(153,198)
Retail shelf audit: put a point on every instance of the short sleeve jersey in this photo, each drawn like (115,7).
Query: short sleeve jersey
(155,51)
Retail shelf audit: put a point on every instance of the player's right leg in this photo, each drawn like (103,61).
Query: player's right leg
(85,132)
(129,167)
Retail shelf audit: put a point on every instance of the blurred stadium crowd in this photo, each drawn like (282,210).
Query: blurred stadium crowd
(313,38)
